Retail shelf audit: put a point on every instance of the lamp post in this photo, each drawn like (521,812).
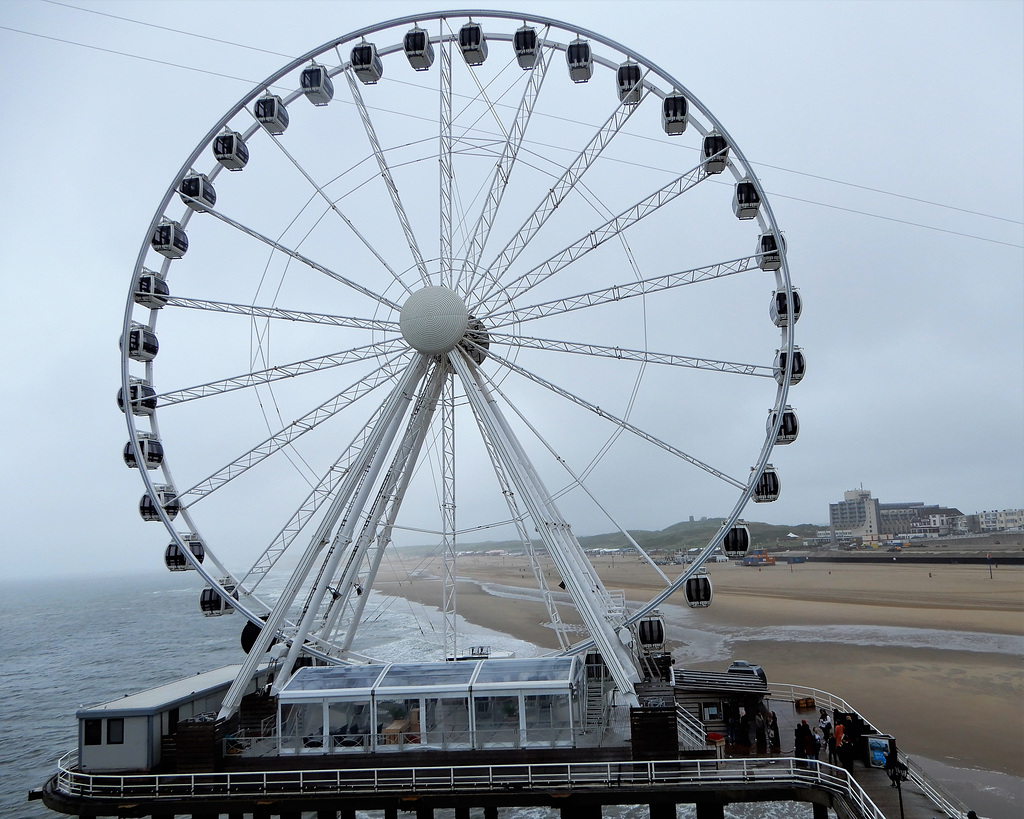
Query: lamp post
(898,774)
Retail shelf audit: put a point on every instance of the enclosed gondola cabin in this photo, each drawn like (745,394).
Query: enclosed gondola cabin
(675,114)
(697,591)
(525,44)
(650,631)
(166,498)
(767,488)
(251,633)
(789,429)
(230,150)
(473,43)
(736,541)
(271,113)
(169,239)
(628,77)
(799,367)
(715,151)
(151,290)
(778,309)
(142,343)
(176,560)
(316,84)
(418,49)
(141,397)
(150,449)
(580,59)
(746,201)
(767,251)
(366,63)
(212,602)
(196,191)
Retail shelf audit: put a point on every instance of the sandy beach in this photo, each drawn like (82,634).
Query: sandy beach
(949,689)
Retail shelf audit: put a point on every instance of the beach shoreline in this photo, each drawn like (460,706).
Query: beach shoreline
(954,697)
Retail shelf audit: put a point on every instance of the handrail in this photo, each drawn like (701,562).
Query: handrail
(575,776)
(690,730)
(944,802)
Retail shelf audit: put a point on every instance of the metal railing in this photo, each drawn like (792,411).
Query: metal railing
(690,730)
(823,699)
(573,776)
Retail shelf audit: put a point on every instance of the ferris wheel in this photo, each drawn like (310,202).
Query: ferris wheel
(451,278)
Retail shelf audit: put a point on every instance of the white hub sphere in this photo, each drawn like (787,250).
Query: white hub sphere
(433,320)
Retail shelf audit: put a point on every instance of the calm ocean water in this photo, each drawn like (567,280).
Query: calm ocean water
(69,643)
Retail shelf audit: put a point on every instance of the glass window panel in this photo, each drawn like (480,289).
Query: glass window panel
(115,731)
(93,732)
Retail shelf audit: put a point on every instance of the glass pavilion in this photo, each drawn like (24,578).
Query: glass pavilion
(470,704)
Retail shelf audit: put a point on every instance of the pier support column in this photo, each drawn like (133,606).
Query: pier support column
(423,812)
(664,810)
(581,812)
(490,812)
(820,811)
(390,813)
(462,813)
(710,810)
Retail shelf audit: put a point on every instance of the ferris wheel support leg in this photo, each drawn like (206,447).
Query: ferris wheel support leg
(413,373)
(343,539)
(385,507)
(585,588)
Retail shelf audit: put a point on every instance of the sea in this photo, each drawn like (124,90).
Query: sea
(71,642)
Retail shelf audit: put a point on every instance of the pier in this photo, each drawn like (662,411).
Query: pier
(571,789)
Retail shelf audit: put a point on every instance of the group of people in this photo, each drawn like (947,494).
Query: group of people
(837,733)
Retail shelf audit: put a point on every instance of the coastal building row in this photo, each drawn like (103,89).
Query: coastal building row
(859,516)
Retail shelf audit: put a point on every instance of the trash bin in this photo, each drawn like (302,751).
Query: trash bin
(879,748)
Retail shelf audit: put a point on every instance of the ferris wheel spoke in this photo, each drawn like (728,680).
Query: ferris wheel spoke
(577,480)
(256,311)
(386,372)
(555,196)
(610,229)
(503,169)
(626,425)
(626,354)
(278,372)
(385,172)
(445,167)
(303,259)
(620,292)
(320,493)
(333,206)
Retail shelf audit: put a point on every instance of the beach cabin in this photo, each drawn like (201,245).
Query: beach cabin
(470,704)
(128,734)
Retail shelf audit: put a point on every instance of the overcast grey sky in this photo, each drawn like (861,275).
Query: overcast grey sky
(888,135)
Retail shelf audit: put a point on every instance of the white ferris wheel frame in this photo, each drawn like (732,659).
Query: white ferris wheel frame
(602,620)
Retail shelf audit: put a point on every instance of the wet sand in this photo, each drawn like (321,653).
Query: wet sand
(944,702)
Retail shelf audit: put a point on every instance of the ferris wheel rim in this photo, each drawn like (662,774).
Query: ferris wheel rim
(742,168)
